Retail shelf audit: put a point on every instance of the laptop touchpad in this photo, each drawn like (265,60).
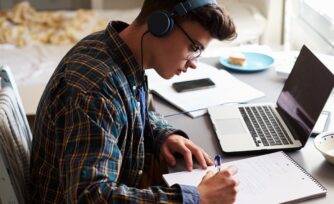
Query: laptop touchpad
(230,126)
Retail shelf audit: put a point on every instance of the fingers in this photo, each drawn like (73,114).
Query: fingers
(207,175)
(207,158)
(186,152)
(181,148)
(220,187)
(187,158)
(201,156)
(198,153)
(169,157)
(230,171)
(228,175)
(186,148)
(176,144)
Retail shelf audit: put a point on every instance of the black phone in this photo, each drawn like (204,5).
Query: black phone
(192,85)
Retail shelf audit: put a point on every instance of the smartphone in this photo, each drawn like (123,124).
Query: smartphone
(192,85)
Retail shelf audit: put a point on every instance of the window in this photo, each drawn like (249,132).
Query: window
(319,15)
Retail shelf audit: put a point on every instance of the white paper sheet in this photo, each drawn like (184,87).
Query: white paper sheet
(228,89)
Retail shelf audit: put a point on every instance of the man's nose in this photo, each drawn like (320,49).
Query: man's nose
(192,63)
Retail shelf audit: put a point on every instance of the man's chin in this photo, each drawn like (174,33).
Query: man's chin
(167,76)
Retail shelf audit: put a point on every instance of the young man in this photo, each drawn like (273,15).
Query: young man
(93,133)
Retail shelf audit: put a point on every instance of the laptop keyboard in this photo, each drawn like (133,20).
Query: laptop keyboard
(264,126)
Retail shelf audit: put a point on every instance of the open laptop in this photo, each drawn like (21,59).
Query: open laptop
(285,125)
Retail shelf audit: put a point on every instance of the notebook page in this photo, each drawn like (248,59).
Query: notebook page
(271,178)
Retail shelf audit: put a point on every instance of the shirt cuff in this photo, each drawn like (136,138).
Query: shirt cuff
(190,194)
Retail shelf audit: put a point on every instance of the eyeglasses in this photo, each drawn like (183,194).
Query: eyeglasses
(196,47)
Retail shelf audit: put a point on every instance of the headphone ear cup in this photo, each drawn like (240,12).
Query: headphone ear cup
(160,24)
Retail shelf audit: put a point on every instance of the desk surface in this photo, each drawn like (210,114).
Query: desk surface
(201,131)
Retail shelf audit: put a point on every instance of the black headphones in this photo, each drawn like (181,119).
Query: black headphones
(161,23)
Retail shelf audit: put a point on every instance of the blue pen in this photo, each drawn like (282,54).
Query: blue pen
(218,162)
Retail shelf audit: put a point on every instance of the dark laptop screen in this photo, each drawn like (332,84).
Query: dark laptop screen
(304,94)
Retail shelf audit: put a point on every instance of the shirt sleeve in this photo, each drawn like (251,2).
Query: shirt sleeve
(190,194)
(91,160)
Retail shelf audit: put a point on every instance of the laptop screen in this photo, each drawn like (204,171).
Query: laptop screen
(303,98)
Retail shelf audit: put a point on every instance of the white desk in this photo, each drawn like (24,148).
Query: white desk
(201,131)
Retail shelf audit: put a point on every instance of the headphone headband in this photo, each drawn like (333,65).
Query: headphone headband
(160,23)
(183,8)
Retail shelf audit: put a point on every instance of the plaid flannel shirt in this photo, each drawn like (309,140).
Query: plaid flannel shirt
(89,142)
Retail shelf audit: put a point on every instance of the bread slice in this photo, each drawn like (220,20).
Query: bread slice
(237,59)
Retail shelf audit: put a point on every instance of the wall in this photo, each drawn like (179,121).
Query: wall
(49,4)
(117,4)
(5,4)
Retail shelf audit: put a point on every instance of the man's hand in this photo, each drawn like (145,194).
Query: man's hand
(219,187)
(179,144)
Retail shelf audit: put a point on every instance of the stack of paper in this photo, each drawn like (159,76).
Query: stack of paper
(228,89)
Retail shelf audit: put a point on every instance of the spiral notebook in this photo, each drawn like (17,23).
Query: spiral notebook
(270,178)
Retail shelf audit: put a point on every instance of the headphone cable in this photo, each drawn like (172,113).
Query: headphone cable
(142,49)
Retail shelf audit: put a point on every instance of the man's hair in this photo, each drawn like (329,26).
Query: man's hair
(212,17)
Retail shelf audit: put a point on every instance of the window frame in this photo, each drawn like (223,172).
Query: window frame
(316,19)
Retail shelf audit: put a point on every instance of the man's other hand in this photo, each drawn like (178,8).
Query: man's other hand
(185,147)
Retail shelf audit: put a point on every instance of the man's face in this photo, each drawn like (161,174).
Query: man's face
(175,53)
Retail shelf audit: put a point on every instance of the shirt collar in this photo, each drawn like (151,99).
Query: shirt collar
(122,54)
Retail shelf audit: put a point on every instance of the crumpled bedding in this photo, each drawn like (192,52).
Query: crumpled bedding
(23,25)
